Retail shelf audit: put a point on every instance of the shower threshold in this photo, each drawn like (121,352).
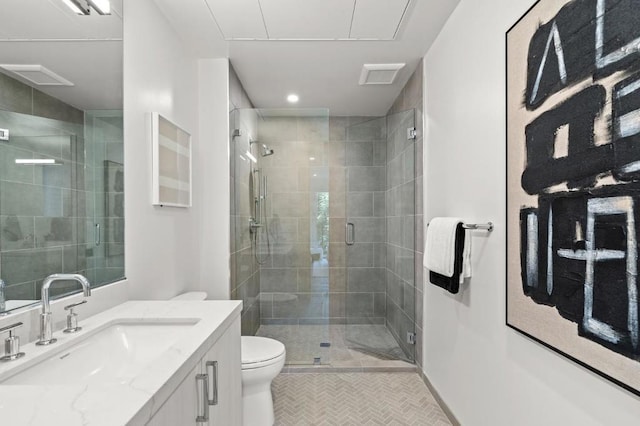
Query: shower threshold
(306,351)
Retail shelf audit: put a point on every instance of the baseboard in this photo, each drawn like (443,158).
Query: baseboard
(436,395)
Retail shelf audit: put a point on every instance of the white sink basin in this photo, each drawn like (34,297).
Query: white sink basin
(113,354)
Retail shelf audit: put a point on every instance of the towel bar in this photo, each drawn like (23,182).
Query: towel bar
(488,226)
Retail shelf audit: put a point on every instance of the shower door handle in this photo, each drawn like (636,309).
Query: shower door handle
(98,236)
(350,234)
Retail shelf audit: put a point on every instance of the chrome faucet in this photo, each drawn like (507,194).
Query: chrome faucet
(3,297)
(46,326)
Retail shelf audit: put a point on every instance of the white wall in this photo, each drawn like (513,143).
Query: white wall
(487,373)
(213,231)
(163,251)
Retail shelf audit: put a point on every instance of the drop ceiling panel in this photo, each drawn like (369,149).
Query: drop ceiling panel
(377,19)
(307,19)
(238,19)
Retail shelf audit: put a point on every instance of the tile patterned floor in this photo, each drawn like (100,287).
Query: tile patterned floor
(303,345)
(350,399)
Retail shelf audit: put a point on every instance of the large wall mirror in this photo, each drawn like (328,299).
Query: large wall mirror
(61,146)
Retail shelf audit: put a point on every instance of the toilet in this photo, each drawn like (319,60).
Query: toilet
(262,361)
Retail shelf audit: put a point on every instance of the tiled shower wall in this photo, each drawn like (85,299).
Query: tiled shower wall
(411,97)
(345,156)
(294,281)
(245,271)
(359,175)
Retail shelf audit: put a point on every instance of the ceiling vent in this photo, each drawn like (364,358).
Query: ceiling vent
(37,74)
(379,73)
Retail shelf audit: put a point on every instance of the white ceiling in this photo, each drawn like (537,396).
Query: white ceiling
(314,19)
(324,73)
(86,50)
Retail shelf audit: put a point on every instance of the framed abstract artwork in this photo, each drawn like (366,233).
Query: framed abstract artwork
(573,182)
(171,163)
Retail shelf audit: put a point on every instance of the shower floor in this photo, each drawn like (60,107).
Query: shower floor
(377,349)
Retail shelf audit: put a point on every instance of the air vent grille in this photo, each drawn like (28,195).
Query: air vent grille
(37,74)
(379,73)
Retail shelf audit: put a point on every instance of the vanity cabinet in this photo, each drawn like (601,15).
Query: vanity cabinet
(212,391)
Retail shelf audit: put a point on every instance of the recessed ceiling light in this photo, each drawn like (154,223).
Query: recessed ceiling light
(77,7)
(293,98)
(312,158)
(82,7)
(103,7)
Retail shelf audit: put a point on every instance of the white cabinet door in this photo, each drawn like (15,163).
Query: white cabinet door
(225,353)
(220,372)
(181,407)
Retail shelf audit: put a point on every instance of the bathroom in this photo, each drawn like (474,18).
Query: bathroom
(175,62)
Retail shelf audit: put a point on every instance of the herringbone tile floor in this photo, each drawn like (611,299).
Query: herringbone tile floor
(354,399)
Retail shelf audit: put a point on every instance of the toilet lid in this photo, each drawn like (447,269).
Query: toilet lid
(260,349)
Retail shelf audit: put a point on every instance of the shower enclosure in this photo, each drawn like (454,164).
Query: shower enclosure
(61,201)
(322,232)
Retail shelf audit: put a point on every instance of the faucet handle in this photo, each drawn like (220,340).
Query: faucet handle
(11,343)
(72,318)
(73,305)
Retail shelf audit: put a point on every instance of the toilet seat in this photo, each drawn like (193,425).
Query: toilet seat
(258,352)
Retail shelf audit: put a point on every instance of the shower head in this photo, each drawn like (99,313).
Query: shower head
(266,151)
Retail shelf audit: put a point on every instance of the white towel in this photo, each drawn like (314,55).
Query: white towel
(439,252)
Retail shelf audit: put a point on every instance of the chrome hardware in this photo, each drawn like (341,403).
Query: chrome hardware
(4,134)
(412,133)
(72,318)
(236,133)
(203,398)
(264,187)
(350,234)
(98,235)
(3,296)
(411,338)
(11,343)
(486,226)
(46,326)
(214,381)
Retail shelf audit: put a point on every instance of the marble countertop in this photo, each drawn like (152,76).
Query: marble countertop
(131,403)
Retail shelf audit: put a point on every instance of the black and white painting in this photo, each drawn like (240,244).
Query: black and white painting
(573,182)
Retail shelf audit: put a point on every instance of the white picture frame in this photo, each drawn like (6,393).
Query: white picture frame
(172,163)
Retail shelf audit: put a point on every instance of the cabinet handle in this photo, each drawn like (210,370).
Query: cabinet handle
(214,381)
(203,398)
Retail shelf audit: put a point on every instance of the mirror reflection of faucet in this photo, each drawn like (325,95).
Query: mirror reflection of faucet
(46,326)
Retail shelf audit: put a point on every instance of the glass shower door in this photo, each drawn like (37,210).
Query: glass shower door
(380,237)
(290,177)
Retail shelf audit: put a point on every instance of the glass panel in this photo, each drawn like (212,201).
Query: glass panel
(42,205)
(104,171)
(287,205)
(380,207)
